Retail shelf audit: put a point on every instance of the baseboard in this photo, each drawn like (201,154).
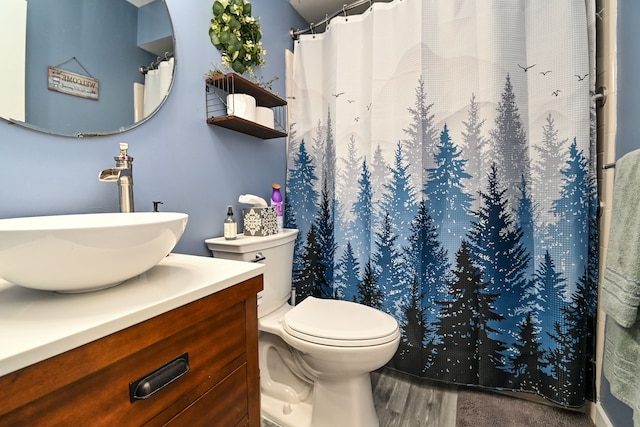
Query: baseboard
(598,415)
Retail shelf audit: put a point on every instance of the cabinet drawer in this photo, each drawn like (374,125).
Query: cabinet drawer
(224,405)
(92,381)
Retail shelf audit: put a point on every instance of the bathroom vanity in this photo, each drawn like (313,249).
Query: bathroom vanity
(188,324)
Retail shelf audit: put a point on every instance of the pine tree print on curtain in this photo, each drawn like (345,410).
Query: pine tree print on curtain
(445,174)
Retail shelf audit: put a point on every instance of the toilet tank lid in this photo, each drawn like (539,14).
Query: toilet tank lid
(339,320)
(247,244)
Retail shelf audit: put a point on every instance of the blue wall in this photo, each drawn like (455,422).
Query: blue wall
(628,132)
(627,139)
(153,22)
(191,166)
(103,36)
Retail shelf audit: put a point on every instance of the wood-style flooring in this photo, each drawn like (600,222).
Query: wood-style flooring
(405,401)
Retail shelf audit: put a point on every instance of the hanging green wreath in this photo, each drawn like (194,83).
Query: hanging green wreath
(236,34)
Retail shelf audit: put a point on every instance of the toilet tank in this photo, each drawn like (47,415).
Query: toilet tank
(275,252)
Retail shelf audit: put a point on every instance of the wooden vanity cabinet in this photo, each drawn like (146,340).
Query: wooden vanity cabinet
(89,385)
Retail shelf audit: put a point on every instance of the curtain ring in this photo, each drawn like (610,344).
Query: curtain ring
(344,9)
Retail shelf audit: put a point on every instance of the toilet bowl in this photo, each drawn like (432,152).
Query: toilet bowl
(334,347)
(315,357)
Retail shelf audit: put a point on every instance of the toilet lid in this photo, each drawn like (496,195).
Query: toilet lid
(340,323)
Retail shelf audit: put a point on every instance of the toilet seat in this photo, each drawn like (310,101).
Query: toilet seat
(339,323)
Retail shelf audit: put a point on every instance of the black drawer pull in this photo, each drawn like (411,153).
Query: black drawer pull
(144,387)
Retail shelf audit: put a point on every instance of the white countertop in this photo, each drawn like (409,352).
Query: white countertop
(36,325)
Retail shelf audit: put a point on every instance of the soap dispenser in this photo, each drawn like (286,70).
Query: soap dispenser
(230,225)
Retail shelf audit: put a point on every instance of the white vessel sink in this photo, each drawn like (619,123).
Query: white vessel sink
(85,252)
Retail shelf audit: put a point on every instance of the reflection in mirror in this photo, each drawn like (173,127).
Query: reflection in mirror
(84,67)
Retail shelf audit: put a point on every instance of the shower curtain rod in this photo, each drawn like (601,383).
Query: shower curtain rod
(294,33)
(154,64)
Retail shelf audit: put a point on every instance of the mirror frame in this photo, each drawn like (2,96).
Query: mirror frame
(169,37)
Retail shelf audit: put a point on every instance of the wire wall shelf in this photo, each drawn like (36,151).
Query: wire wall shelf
(217,90)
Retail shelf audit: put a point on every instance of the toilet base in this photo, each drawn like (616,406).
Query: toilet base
(340,402)
(336,402)
(286,414)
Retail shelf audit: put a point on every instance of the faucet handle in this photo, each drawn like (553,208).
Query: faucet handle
(123,160)
(124,147)
(155,206)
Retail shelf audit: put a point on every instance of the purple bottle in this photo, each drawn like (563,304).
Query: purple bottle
(276,201)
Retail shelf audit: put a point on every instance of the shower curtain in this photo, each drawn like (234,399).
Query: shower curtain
(157,83)
(441,168)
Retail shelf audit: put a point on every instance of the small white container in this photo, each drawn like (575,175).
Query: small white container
(264,116)
(241,105)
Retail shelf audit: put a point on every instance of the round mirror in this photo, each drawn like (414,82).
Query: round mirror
(84,67)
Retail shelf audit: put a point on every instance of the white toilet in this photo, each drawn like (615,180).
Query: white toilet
(316,357)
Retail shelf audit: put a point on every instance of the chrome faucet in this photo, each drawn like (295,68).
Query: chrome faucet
(123,175)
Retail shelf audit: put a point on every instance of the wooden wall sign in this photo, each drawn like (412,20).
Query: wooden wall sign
(72,83)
